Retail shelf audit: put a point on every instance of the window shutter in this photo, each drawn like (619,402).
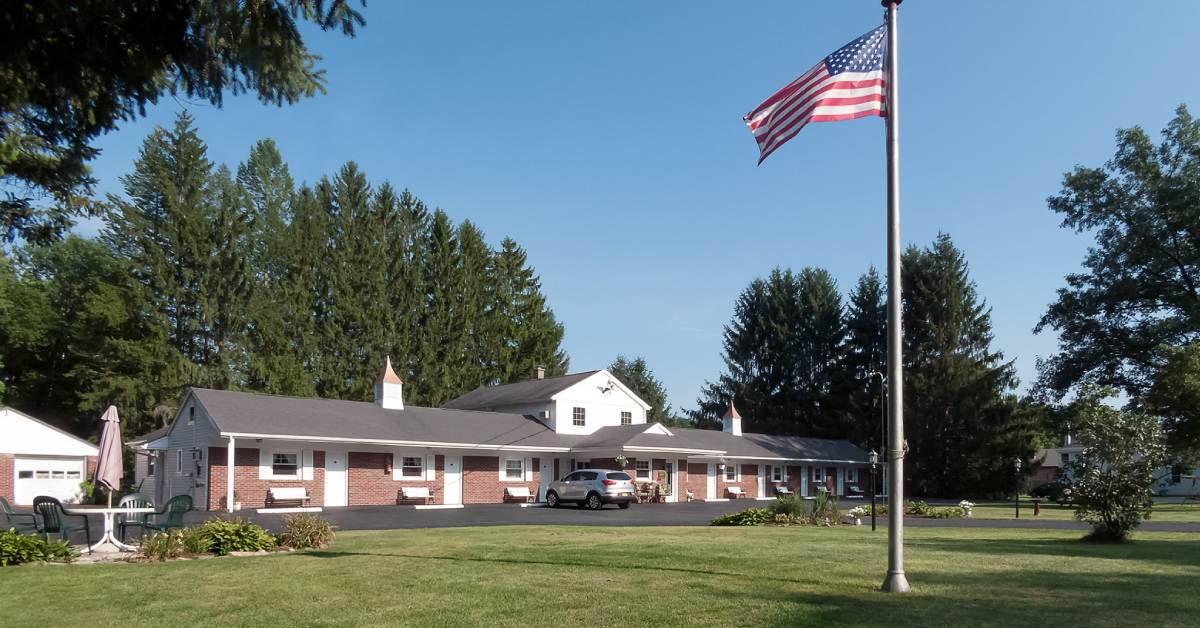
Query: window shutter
(397,460)
(307,457)
(430,467)
(500,472)
(528,464)
(264,464)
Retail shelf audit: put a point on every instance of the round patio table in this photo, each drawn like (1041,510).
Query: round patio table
(109,514)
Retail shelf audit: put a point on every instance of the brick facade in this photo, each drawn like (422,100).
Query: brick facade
(370,480)
(247,488)
(696,480)
(7,490)
(481,480)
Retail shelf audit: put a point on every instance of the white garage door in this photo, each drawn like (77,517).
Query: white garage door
(56,477)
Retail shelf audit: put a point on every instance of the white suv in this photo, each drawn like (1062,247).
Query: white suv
(593,488)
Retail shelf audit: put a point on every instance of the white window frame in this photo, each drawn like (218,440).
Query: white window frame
(286,476)
(579,416)
(818,473)
(637,470)
(626,417)
(737,472)
(504,470)
(852,475)
(191,415)
(420,466)
(582,464)
(179,462)
(150,464)
(777,473)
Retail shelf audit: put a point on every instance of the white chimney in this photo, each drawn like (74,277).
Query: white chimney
(731,423)
(541,372)
(389,390)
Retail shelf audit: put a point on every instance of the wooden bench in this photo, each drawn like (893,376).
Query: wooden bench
(295,495)
(414,493)
(853,492)
(735,491)
(518,492)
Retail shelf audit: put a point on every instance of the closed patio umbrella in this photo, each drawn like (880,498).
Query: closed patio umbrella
(110,467)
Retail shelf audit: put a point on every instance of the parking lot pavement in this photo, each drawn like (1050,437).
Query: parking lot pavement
(696,513)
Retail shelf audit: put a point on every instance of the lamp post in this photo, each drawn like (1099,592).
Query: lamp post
(874,456)
(1017,490)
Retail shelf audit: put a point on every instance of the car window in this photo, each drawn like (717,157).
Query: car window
(620,475)
(586,476)
(571,477)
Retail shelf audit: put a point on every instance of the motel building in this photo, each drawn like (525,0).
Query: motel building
(495,444)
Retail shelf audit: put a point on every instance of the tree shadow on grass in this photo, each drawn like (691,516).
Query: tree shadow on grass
(1171,552)
(526,561)
(1020,598)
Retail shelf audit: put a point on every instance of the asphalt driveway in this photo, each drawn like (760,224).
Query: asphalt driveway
(688,514)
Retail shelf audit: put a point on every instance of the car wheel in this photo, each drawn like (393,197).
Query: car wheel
(623,505)
(552,499)
(593,502)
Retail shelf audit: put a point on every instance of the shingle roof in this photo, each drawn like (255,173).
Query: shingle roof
(272,415)
(150,436)
(486,397)
(802,448)
(251,413)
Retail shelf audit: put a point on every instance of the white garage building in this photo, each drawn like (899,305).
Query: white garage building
(39,459)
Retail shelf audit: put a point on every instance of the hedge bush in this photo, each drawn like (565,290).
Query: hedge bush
(236,535)
(747,517)
(306,531)
(26,548)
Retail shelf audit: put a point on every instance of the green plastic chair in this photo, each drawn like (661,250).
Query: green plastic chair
(55,520)
(173,509)
(135,520)
(16,520)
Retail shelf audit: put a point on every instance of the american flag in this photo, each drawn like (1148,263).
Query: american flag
(845,85)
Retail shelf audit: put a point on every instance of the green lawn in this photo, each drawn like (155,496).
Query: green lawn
(1174,512)
(532,575)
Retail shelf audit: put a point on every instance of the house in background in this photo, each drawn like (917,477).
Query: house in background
(491,445)
(37,458)
(149,456)
(1168,482)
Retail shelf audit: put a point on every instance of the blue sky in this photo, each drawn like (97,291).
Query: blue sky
(607,139)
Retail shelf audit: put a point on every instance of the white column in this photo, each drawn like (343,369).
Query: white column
(229,474)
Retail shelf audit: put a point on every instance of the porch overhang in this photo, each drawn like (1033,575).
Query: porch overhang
(396,443)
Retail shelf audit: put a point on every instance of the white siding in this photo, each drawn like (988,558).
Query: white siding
(602,408)
(23,435)
(196,436)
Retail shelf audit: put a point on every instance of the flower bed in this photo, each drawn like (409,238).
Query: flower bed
(236,537)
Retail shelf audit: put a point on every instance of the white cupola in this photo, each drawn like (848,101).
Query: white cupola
(389,390)
(731,423)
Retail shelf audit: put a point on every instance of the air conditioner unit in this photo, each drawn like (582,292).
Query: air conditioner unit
(544,414)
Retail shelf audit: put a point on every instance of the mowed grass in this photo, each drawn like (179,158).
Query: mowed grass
(695,576)
(1164,512)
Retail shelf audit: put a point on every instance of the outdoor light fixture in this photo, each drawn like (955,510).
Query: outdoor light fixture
(1017,490)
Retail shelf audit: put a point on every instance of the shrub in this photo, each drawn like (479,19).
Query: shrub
(1114,474)
(825,509)
(195,541)
(26,548)
(163,545)
(236,535)
(304,531)
(747,517)
(788,505)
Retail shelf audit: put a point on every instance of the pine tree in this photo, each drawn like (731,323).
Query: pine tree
(961,419)
(476,365)
(407,245)
(863,355)
(524,327)
(435,381)
(820,332)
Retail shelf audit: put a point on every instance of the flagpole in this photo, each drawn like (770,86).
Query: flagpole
(896,582)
